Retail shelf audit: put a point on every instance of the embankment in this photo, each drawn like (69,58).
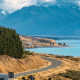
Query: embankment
(8,64)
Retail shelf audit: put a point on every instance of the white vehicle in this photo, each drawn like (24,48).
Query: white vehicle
(3,76)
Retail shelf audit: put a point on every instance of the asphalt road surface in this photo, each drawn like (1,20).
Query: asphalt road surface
(55,63)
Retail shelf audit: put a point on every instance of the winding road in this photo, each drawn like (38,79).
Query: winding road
(55,63)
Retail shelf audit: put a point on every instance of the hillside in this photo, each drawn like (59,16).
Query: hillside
(8,64)
(70,69)
(33,42)
(39,20)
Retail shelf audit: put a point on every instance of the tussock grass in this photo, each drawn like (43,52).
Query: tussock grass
(67,57)
(72,74)
(75,59)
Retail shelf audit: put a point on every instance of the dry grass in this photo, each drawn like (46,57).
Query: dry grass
(8,64)
(69,63)
(31,42)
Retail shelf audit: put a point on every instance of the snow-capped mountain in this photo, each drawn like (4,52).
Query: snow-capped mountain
(3,14)
(39,20)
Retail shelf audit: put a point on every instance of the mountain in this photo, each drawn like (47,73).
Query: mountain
(3,14)
(51,20)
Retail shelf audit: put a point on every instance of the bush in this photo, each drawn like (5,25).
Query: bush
(25,53)
(75,75)
(67,57)
(75,59)
(10,43)
(45,41)
(56,77)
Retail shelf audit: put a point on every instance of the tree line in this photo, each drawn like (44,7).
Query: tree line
(10,43)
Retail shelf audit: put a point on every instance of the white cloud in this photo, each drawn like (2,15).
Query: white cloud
(79,3)
(73,1)
(13,5)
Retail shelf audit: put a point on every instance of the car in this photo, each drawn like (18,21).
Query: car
(3,76)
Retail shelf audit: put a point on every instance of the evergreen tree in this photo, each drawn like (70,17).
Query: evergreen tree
(10,43)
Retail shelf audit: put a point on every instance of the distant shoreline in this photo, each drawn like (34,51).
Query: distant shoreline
(48,47)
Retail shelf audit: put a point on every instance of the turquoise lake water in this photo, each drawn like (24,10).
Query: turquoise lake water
(66,51)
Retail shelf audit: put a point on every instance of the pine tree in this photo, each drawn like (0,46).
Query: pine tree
(10,43)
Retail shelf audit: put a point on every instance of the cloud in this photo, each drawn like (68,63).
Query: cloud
(13,5)
(73,1)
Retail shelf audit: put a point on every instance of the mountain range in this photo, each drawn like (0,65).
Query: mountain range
(40,20)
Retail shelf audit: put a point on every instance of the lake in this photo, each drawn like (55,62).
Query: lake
(66,51)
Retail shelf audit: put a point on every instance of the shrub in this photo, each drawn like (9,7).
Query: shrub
(45,41)
(67,57)
(75,59)
(25,53)
(75,75)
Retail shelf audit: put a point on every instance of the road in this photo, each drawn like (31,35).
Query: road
(55,63)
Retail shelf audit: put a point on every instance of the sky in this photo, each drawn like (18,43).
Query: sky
(13,5)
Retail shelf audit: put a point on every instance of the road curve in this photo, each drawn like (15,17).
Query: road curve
(55,63)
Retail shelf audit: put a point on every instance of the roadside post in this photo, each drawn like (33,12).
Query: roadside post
(10,74)
(3,77)
(32,78)
(49,79)
(23,78)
